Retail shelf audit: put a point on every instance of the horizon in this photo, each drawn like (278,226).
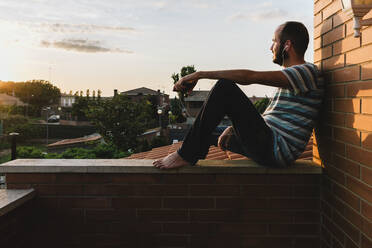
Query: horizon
(127,44)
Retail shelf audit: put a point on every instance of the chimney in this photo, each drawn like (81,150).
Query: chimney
(115,92)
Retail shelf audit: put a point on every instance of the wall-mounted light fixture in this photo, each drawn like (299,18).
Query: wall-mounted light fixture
(357,9)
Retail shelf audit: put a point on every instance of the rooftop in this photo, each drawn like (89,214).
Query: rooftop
(214,153)
(88,138)
(140,91)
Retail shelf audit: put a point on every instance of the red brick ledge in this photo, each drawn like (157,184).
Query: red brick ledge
(145,166)
(13,198)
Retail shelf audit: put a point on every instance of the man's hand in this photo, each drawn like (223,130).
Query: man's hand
(187,83)
(224,138)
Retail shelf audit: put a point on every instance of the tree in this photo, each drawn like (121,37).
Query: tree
(80,107)
(120,120)
(38,93)
(186,70)
(176,109)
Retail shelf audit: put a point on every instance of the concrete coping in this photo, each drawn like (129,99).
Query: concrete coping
(145,166)
(13,198)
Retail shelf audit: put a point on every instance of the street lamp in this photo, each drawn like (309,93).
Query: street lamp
(160,112)
(169,116)
(357,9)
(47,126)
(59,113)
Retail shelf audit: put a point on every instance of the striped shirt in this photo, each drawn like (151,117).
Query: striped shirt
(292,113)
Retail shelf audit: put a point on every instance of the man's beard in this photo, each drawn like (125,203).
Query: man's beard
(280,55)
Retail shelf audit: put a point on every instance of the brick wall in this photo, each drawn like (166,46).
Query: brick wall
(344,137)
(174,210)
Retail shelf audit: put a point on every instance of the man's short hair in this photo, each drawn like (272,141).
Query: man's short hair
(297,33)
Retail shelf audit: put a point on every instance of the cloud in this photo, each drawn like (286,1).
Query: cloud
(261,15)
(159,4)
(84,46)
(76,28)
(269,15)
(200,4)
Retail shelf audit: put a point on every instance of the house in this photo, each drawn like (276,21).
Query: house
(10,100)
(138,94)
(194,101)
(67,100)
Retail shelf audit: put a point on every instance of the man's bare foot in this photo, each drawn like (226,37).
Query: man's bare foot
(171,161)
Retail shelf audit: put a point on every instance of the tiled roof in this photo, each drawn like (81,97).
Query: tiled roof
(215,153)
(142,90)
(93,137)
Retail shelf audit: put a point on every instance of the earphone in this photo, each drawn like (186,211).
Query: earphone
(285,49)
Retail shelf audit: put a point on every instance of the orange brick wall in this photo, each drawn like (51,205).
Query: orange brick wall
(344,137)
(173,210)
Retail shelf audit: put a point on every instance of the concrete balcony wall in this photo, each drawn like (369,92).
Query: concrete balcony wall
(129,203)
(344,138)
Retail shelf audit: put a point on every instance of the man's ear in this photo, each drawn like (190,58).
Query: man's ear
(287,45)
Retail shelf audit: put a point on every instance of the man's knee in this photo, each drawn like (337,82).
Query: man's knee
(224,83)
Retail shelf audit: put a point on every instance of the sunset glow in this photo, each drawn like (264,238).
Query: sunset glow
(127,44)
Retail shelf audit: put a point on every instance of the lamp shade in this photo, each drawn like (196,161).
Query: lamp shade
(357,8)
(346,4)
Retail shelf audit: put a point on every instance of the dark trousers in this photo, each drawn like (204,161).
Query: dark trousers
(251,136)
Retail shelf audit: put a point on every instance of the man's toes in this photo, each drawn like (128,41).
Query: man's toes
(157,163)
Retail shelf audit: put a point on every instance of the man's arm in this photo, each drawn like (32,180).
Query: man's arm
(244,77)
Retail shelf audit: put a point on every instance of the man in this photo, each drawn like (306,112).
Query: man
(277,137)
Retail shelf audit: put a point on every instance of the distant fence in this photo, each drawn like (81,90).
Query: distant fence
(66,131)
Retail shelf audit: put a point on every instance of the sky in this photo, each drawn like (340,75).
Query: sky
(126,44)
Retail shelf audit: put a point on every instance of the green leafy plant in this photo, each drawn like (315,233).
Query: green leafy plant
(78,153)
(262,104)
(29,152)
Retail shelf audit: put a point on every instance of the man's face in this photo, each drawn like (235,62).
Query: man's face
(277,47)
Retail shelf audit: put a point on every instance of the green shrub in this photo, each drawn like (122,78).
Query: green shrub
(29,152)
(108,151)
(100,151)
(53,156)
(78,153)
